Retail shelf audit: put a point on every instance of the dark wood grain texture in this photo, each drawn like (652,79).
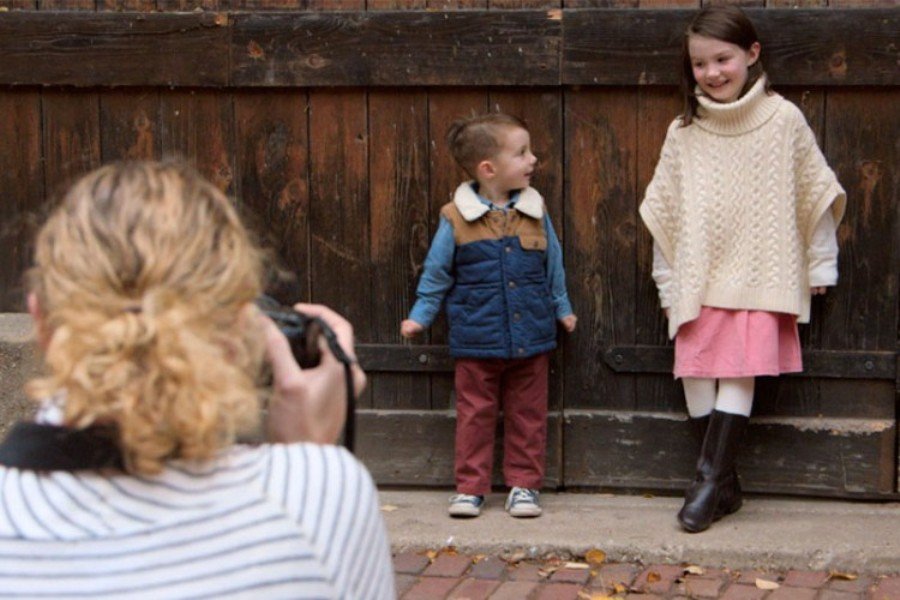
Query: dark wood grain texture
(396,47)
(800,46)
(109,48)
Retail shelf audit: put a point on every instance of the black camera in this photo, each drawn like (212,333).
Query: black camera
(303,333)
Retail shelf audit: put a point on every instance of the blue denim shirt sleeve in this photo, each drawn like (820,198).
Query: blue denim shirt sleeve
(556,275)
(437,276)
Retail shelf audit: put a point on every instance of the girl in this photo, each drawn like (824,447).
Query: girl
(743,209)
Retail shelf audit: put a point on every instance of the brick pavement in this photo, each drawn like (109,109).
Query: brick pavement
(445,574)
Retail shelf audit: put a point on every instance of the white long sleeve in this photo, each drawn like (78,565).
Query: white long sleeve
(823,253)
(662,275)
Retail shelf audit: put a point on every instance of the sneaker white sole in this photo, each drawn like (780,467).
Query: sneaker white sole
(464,511)
(525,511)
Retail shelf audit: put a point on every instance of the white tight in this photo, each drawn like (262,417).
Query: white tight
(735,395)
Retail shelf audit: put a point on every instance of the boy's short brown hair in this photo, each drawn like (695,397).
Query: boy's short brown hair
(474,139)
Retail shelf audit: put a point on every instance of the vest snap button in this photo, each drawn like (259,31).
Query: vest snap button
(512,284)
(516,317)
(508,249)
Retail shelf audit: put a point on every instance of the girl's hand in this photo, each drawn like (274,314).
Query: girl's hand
(818,291)
(410,328)
(310,404)
(568,323)
(666,312)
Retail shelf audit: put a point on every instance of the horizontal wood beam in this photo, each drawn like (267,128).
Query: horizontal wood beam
(114,49)
(844,364)
(800,46)
(821,47)
(816,456)
(405,358)
(396,48)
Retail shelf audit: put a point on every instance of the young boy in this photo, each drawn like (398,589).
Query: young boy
(497,262)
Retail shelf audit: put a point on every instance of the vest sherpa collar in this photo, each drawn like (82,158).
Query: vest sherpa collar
(529,202)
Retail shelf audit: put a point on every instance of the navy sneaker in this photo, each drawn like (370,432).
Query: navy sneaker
(523,502)
(465,505)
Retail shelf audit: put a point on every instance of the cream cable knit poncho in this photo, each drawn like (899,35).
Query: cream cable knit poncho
(733,204)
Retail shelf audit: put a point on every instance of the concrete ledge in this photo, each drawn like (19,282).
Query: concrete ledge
(18,362)
(767,534)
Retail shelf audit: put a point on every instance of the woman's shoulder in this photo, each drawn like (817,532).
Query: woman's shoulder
(324,462)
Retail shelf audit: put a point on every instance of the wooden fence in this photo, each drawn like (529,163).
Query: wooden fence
(326,120)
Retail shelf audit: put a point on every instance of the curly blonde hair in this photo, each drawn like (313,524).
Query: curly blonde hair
(143,277)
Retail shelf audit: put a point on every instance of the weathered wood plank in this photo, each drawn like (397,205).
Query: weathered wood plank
(349,46)
(600,224)
(398,213)
(198,126)
(23,198)
(339,208)
(71,137)
(396,48)
(817,363)
(861,146)
(19,4)
(801,46)
(805,456)
(272,181)
(391,443)
(72,5)
(96,49)
(129,125)
(127,5)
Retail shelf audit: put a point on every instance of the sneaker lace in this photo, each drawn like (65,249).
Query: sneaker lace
(459,498)
(523,495)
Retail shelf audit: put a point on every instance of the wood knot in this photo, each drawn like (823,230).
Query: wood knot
(255,51)
(837,64)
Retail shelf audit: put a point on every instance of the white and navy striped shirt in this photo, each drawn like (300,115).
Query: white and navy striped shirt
(274,521)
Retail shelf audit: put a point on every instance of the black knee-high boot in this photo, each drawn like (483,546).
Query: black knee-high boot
(715,471)
(731,497)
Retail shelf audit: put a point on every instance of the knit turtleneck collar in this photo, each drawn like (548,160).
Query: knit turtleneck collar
(741,116)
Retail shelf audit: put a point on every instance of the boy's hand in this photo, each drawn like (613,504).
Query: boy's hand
(818,291)
(568,323)
(409,328)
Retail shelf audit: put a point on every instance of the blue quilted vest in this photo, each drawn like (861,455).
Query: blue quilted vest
(500,305)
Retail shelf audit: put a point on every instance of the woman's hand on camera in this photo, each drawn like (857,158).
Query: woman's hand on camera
(310,404)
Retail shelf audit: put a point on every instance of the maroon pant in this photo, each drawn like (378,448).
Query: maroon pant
(482,386)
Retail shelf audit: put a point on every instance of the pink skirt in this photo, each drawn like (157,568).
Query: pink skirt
(737,343)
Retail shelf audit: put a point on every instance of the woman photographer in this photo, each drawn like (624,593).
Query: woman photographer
(130,483)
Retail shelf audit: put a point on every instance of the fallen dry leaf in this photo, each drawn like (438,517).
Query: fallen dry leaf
(595,557)
(693,570)
(547,571)
(576,565)
(598,596)
(478,558)
(389,508)
(765,584)
(431,554)
(844,576)
(620,588)
(653,577)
